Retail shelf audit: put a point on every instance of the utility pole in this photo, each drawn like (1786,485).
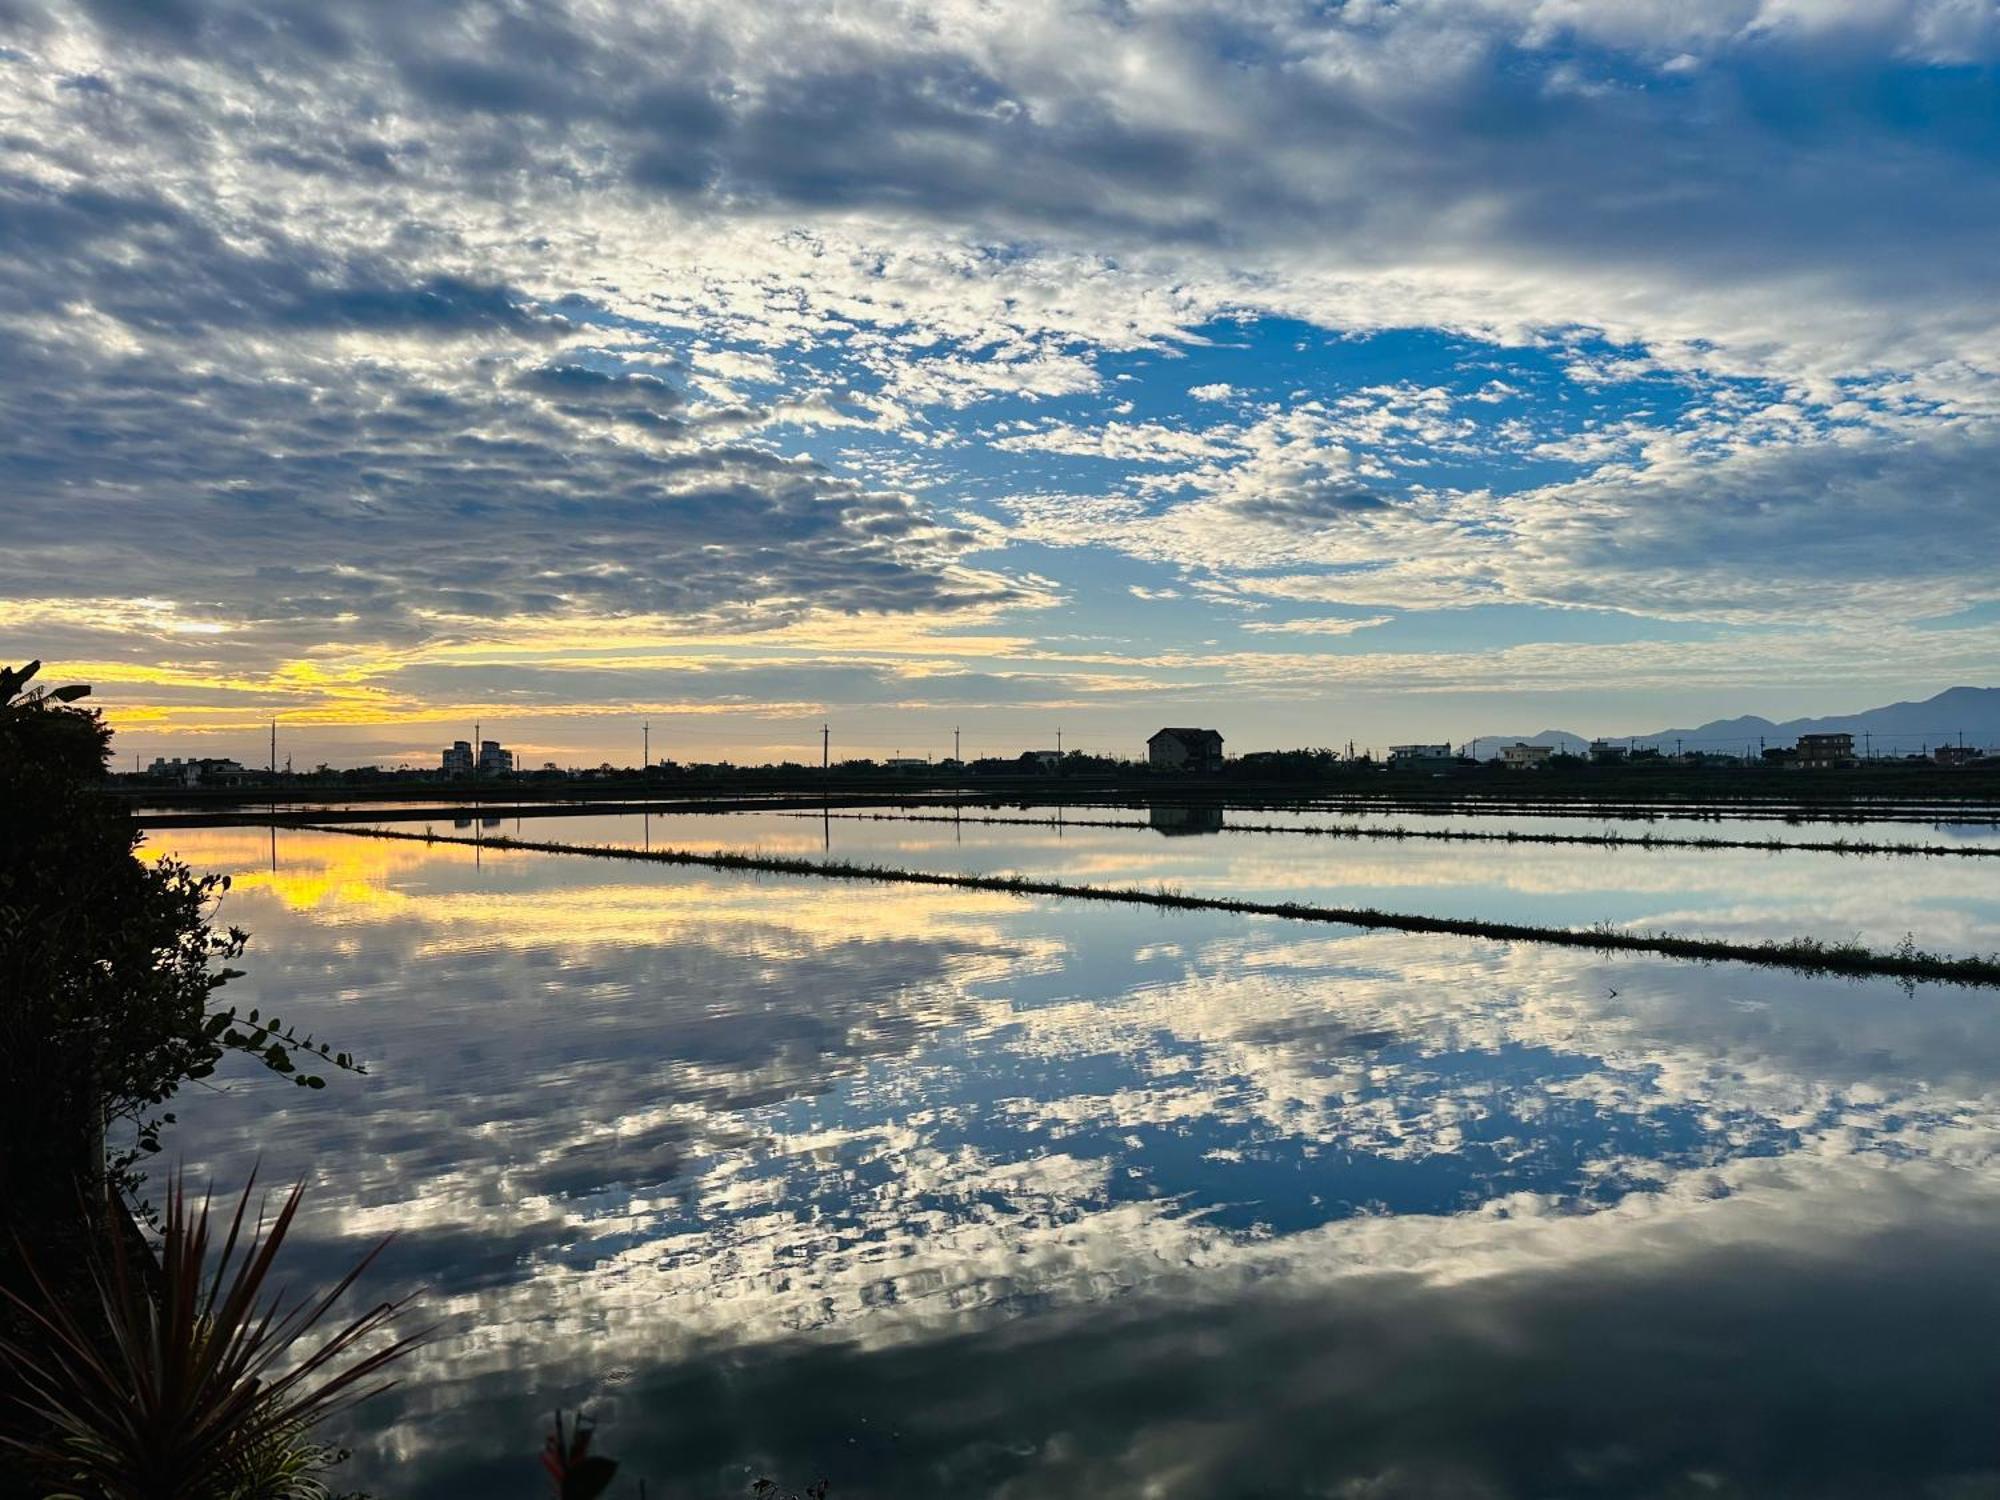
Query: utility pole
(475,749)
(1868,744)
(824,731)
(646,740)
(274,749)
(954,745)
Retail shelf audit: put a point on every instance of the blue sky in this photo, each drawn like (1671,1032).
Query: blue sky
(1323,372)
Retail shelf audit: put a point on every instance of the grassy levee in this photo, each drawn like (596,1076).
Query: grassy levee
(1810,955)
(1606,840)
(1877,790)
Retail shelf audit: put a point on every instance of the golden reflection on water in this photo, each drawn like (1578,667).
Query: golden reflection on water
(343,879)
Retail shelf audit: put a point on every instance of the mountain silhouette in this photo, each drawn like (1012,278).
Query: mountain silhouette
(1894,729)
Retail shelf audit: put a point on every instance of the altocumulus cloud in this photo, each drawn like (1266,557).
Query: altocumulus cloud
(358,327)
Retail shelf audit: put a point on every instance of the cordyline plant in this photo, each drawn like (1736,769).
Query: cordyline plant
(193,1379)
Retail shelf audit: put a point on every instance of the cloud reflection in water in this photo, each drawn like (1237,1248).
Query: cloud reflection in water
(933,1190)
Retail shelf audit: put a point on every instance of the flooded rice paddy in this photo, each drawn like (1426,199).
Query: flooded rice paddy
(940,1191)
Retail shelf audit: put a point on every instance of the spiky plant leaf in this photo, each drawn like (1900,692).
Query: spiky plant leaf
(203,1381)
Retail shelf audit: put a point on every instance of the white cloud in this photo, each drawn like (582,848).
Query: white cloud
(267,279)
(1320,625)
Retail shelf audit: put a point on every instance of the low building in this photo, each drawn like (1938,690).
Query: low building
(1420,757)
(1185,750)
(1956,755)
(185,771)
(907,763)
(1522,756)
(1820,751)
(200,771)
(1041,760)
(1604,753)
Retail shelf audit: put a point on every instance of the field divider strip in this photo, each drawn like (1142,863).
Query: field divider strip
(1809,955)
(1448,835)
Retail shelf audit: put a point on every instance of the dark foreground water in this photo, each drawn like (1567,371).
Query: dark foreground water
(946,1193)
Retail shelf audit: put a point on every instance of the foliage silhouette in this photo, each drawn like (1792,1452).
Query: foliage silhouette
(576,1472)
(191,1380)
(109,966)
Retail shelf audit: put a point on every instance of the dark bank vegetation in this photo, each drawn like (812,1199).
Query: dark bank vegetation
(109,970)
(1564,787)
(1806,954)
(1604,840)
(109,965)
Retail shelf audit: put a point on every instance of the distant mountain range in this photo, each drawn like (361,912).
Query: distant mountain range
(1896,729)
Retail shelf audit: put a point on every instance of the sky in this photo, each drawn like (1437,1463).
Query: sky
(1321,372)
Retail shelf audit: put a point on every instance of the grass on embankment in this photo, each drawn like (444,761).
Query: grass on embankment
(1605,840)
(1809,955)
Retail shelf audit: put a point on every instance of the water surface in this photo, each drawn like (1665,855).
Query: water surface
(934,1191)
(1946,904)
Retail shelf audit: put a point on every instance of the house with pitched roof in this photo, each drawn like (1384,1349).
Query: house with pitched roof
(1185,750)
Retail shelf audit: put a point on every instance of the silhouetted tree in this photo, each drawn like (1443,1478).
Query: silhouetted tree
(109,964)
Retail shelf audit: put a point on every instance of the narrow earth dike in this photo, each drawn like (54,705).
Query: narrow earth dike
(1809,955)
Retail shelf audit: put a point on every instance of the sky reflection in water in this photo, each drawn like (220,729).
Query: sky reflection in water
(1949,905)
(946,1192)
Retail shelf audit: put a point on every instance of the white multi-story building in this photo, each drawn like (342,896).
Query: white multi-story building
(1185,750)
